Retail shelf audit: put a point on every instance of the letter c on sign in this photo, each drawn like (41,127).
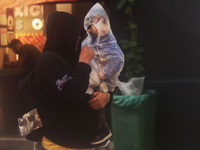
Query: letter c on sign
(35,10)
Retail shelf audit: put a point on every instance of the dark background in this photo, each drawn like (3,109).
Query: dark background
(169,31)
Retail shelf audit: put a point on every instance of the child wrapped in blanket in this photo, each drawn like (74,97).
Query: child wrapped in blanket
(106,65)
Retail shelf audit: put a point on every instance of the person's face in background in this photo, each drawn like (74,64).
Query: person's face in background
(16,48)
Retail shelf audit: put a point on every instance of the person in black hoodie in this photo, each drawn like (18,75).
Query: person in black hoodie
(67,113)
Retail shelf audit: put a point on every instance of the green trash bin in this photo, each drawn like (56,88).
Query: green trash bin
(133,121)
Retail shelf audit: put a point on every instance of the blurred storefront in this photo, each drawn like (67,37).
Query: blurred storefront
(26,20)
(29,25)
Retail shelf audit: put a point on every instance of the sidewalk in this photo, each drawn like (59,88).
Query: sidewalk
(15,144)
(19,143)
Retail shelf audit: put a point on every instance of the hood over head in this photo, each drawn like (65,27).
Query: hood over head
(98,17)
(62,31)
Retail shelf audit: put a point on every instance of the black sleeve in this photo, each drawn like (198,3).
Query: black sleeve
(78,84)
(111,97)
(55,80)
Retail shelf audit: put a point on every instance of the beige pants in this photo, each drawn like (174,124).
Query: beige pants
(52,146)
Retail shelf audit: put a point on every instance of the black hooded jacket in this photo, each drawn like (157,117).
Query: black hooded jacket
(62,85)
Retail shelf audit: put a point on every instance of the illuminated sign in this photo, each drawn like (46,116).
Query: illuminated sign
(29,19)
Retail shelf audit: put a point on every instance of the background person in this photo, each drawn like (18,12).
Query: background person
(28,54)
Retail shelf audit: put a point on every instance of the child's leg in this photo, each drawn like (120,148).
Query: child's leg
(103,132)
(101,117)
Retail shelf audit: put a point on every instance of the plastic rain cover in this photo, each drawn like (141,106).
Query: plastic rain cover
(29,122)
(109,59)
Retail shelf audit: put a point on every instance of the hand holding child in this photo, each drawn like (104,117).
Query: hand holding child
(86,55)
